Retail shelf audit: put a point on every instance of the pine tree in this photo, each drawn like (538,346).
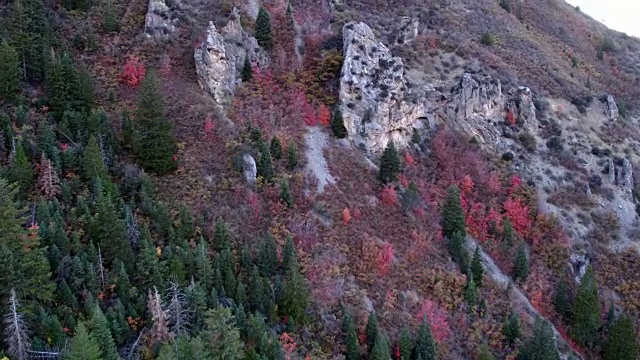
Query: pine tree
(63,87)
(476,267)
(561,300)
(92,161)
(30,33)
(485,353)
(9,72)
(406,344)
(83,345)
(100,330)
(20,169)
(247,71)
(292,155)
(521,265)
(276,148)
(288,252)
(110,23)
(16,334)
(265,167)
(371,329)
(380,350)
(542,345)
(458,250)
(389,164)
(586,310)
(204,268)
(425,346)
(621,343)
(353,349)
(109,233)
(153,132)
(263,29)
(221,235)
(511,328)
(452,214)
(471,292)
(256,293)
(337,125)
(268,257)
(148,268)
(296,293)
(48,181)
(507,232)
(285,195)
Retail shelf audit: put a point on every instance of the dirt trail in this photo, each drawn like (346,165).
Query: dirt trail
(521,301)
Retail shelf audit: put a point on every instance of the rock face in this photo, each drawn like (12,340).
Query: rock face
(611,108)
(249,169)
(376,102)
(408,30)
(476,100)
(620,173)
(160,23)
(221,56)
(521,105)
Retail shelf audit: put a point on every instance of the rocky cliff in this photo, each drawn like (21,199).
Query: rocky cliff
(378,104)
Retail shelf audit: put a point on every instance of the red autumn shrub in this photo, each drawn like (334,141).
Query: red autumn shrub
(133,71)
(437,317)
(385,258)
(324,116)
(518,214)
(346,216)
(388,196)
(511,119)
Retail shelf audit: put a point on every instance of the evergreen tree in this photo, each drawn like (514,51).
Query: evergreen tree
(485,353)
(204,268)
(511,328)
(292,155)
(9,72)
(30,34)
(337,125)
(471,292)
(221,336)
(458,250)
(256,293)
(247,71)
(20,170)
(285,195)
(521,265)
(507,232)
(221,235)
(353,349)
(406,344)
(83,345)
(153,132)
(265,167)
(148,269)
(389,164)
(561,299)
(185,348)
(263,29)
(452,214)
(371,329)
(268,257)
(100,331)
(288,252)
(276,148)
(296,293)
(476,267)
(425,346)
(380,350)
(110,23)
(92,162)
(586,310)
(542,345)
(621,343)
(109,233)
(63,87)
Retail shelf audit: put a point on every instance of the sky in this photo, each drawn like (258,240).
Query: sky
(621,15)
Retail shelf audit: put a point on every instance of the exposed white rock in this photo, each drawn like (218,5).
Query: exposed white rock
(408,30)
(250,170)
(376,101)
(611,108)
(159,23)
(216,70)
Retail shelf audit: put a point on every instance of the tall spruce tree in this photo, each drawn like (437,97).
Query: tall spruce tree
(276,148)
(458,251)
(621,343)
(542,345)
(285,194)
(371,329)
(452,214)
(292,156)
(380,350)
(247,70)
(92,162)
(476,267)
(521,265)
(471,292)
(406,344)
(265,166)
(511,328)
(425,346)
(263,29)
(586,310)
(353,349)
(83,345)
(337,125)
(389,164)
(9,72)
(221,336)
(100,330)
(153,133)
(296,292)
(20,169)
(561,299)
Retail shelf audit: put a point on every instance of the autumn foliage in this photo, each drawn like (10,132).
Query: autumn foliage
(133,71)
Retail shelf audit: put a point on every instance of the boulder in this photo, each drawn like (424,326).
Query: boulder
(159,23)
(216,70)
(407,31)
(249,169)
(611,108)
(377,102)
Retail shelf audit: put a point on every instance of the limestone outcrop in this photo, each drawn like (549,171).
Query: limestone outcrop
(160,22)
(378,104)
(611,108)
(407,31)
(220,58)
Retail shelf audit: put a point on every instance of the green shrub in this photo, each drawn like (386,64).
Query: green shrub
(488,39)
